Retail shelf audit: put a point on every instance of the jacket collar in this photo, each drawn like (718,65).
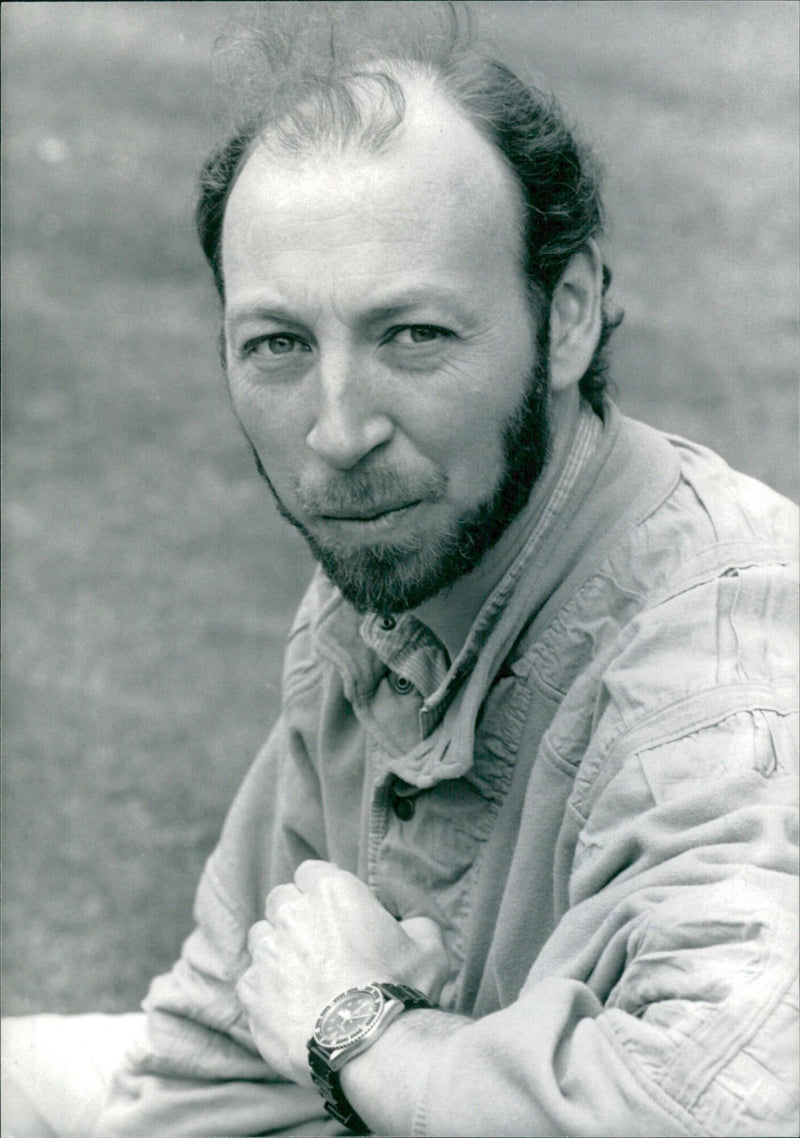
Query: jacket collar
(625,475)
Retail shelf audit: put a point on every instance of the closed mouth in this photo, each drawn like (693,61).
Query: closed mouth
(372,514)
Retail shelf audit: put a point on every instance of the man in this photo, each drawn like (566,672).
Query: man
(516,858)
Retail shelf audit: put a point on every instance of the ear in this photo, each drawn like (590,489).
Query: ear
(576,317)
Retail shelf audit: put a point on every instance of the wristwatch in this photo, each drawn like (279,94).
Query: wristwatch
(348,1025)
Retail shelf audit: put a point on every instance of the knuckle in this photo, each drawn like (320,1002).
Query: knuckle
(328,886)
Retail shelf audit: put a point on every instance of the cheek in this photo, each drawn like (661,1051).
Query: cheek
(462,438)
(273,420)
(477,464)
(463,431)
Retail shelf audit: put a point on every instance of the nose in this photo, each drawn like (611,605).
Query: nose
(348,423)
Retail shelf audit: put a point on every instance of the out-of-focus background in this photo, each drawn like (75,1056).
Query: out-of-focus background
(148,584)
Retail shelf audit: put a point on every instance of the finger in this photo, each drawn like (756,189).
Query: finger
(433,967)
(279,896)
(243,988)
(247,990)
(259,933)
(308,873)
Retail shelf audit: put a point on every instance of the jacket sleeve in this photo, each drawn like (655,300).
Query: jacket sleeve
(196,1071)
(665,1001)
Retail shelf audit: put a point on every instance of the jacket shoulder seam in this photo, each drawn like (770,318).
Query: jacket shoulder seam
(706,708)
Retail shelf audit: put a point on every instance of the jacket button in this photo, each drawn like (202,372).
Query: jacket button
(403,807)
(400,684)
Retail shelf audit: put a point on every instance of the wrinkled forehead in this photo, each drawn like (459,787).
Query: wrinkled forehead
(436,173)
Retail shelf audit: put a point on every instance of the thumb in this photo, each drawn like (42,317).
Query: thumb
(425,932)
(308,873)
(433,965)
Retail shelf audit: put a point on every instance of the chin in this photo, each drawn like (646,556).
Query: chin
(381,579)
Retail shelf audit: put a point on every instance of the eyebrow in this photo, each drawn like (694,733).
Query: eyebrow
(244,313)
(408,301)
(393,307)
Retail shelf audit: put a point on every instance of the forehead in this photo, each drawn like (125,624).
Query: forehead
(439,193)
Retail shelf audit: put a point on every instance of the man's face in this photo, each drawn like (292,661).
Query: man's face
(381,352)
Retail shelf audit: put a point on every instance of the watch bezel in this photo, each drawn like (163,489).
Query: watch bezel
(359,1033)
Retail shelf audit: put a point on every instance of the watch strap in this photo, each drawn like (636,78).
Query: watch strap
(329,1086)
(329,1083)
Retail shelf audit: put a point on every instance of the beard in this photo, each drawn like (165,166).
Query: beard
(392,577)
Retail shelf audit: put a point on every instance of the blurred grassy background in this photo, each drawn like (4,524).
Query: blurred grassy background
(148,584)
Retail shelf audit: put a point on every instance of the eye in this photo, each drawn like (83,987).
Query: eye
(419,334)
(278,344)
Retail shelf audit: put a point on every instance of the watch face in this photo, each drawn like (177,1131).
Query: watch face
(348,1017)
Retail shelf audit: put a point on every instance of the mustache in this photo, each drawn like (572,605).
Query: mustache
(359,491)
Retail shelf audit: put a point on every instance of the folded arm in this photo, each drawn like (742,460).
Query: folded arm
(681,1017)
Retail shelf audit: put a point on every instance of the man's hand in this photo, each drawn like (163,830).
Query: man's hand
(322,935)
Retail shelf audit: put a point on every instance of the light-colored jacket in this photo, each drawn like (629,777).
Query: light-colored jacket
(595,803)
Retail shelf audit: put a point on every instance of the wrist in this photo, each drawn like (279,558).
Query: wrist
(385,1083)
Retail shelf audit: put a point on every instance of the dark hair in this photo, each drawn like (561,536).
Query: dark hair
(335,77)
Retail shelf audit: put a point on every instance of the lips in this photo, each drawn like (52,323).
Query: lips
(370,514)
(359,504)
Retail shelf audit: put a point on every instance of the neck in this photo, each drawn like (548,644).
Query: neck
(451,613)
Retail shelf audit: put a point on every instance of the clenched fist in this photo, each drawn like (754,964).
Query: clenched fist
(322,935)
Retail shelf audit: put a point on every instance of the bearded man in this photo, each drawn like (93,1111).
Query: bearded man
(516,857)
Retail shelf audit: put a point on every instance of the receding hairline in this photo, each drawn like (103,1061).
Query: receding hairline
(421,88)
(272,66)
